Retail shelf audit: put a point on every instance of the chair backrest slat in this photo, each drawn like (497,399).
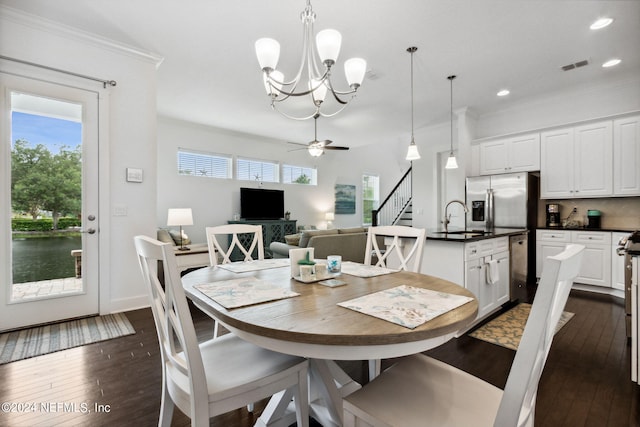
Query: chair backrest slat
(518,401)
(401,236)
(226,248)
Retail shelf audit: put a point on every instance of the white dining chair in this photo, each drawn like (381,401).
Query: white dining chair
(219,375)
(223,240)
(403,247)
(244,239)
(420,391)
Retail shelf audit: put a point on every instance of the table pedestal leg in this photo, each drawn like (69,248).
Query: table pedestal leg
(328,384)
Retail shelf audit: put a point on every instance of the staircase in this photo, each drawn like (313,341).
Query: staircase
(396,209)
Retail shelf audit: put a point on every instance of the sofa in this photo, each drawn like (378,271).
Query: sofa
(350,243)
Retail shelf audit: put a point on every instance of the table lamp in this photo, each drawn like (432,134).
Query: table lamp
(181,216)
(329,216)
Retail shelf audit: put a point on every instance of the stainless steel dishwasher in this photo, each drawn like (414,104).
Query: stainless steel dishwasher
(518,267)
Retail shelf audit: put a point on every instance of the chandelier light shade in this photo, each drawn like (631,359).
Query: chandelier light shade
(451,161)
(412,151)
(312,81)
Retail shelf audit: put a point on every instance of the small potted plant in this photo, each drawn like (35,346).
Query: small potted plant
(287,215)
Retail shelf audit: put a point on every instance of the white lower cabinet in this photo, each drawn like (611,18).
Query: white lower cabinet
(466,264)
(478,256)
(617,262)
(595,269)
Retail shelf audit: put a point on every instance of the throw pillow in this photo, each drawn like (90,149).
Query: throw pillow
(292,239)
(175,234)
(164,236)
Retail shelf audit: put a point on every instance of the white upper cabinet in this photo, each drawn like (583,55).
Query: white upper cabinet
(512,154)
(556,164)
(626,156)
(577,161)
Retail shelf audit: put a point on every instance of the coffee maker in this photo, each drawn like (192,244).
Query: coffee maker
(553,215)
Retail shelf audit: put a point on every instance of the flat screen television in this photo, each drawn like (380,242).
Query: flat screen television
(258,203)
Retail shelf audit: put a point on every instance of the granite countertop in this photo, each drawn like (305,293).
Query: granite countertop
(457,235)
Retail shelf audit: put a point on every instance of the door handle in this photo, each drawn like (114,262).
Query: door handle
(89,231)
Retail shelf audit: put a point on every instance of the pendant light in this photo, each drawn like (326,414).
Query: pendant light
(412,152)
(451,161)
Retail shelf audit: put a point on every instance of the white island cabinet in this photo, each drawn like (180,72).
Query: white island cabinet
(467,265)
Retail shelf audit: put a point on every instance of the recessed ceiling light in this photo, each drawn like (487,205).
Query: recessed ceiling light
(611,63)
(601,23)
(503,92)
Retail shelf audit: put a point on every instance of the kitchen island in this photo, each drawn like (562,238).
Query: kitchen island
(476,260)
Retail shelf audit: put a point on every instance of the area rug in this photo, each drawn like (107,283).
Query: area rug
(26,343)
(506,329)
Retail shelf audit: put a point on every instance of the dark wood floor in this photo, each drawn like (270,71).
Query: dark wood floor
(586,381)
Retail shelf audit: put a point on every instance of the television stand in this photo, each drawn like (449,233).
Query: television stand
(273,230)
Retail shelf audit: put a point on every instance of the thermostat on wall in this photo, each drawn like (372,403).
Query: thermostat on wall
(134,175)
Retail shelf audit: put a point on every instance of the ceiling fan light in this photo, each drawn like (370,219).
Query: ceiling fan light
(354,70)
(328,43)
(274,84)
(412,152)
(451,162)
(315,150)
(268,53)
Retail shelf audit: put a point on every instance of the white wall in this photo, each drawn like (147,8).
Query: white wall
(130,142)
(214,201)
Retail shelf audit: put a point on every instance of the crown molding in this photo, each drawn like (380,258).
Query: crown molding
(45,25)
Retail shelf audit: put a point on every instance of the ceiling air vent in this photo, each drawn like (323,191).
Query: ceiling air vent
(575,65)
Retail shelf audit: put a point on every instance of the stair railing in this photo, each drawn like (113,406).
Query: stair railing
(392,208)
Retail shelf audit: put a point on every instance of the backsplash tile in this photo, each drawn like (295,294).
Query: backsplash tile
(618,212)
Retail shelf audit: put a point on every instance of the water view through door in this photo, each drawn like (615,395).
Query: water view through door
(51,203)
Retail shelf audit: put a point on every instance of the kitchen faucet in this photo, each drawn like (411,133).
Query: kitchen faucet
(447,219)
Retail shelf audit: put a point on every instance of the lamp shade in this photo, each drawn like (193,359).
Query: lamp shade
(329,216)
(275,82)
(451,162)
(181,216)
(412,152)
(268,53)
(320,91)
(354,70)
(328,43)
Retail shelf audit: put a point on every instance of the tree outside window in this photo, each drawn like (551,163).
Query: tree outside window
(370,197)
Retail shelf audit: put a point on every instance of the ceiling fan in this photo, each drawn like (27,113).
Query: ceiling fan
(316,148)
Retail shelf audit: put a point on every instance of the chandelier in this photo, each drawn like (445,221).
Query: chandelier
(313,79)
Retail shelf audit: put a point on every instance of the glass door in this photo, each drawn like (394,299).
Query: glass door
(50,202)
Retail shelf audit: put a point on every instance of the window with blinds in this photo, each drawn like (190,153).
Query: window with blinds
(257,170)
(205,165)
(299,175)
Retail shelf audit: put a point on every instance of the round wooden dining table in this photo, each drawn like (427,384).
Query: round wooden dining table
(314,326)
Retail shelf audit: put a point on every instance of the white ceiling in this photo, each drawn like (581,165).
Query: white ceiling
(210,75)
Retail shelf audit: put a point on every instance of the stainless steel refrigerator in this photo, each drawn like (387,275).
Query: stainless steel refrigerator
(508,201)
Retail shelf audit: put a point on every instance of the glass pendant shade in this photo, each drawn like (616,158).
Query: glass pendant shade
(328,43)
(355,69)
(451,162)
(320,92)
(412,152)
(275,86)
(268,53)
